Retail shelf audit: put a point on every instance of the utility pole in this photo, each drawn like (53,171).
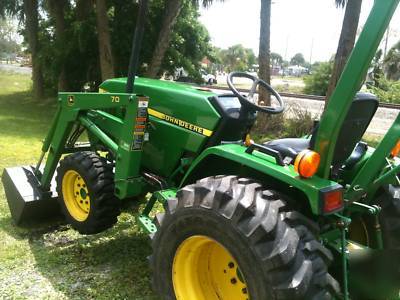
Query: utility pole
(386,41)
(311,51)
(287,45)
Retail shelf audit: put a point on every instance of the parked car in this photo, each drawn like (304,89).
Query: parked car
(208,78)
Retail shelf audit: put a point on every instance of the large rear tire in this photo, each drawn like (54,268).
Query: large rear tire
(85,186)
(390,218)
(228,238)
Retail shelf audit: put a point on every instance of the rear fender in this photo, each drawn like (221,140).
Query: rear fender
(233,160)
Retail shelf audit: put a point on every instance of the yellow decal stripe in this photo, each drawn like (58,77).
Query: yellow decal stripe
(156,114)
(179,122)
(207,132)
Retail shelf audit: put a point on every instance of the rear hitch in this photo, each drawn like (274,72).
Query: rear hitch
(343,224)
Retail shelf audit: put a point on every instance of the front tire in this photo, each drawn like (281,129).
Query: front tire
(228,238)
(85,186)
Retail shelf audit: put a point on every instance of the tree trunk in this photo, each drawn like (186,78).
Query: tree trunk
(83,12)
(171,13)
(103,31)
(83,8)
(57,8)
(264,56)
(346,43)
(32,26)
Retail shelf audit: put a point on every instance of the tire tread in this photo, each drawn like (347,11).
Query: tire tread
(294,262)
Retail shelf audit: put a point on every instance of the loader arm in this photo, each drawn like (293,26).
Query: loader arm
(350,82)
(123,137)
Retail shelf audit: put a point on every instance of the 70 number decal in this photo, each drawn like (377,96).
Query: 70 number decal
(115,99)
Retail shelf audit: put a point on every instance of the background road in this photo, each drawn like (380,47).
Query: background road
(381,122)
(15,68)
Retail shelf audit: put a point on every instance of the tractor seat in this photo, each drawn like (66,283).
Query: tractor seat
(289,147)
(360,114)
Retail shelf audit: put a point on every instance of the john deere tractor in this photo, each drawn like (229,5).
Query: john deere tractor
(294,218)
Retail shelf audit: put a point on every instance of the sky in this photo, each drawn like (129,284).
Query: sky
(311,27)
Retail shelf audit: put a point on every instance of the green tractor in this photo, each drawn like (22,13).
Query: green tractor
(299,218)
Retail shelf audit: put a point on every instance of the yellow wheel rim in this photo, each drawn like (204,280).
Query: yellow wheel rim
(358,232)
(76,195)
(204,270)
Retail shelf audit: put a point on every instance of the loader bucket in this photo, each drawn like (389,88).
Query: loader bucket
(26,201)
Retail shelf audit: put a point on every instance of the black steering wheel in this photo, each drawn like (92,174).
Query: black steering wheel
(248,100)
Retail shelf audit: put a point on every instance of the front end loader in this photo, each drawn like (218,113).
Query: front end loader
(316,217)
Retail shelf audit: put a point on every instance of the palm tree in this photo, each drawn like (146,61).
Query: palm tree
(276,59)
(264,56)
(171,13)
(32,25)
(104,40)
(346,41)
(57,9)
(392,63)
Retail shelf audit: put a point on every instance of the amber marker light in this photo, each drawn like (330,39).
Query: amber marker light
(248,141)
(307,163)
(396,150)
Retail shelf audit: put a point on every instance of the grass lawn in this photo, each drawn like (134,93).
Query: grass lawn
(52,261)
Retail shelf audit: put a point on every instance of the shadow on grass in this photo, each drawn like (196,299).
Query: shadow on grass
(32,229)
(109,265)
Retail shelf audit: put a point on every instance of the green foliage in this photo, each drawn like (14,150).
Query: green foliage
(298,60)
(8,45)
(276,59)
(10,8)
(79,54)
(294,122)
(387,90)
(237,58)
(340,3)
(289,88)
(190,41)
(299,122)
(392,63)
(317,83)
(205,3)
(285,64)
(190,44)
(374,77)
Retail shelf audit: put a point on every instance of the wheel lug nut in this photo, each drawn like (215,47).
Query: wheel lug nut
(244,290)
(233,281)
(231,265)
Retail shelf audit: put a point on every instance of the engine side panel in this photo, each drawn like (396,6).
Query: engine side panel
(181,121)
